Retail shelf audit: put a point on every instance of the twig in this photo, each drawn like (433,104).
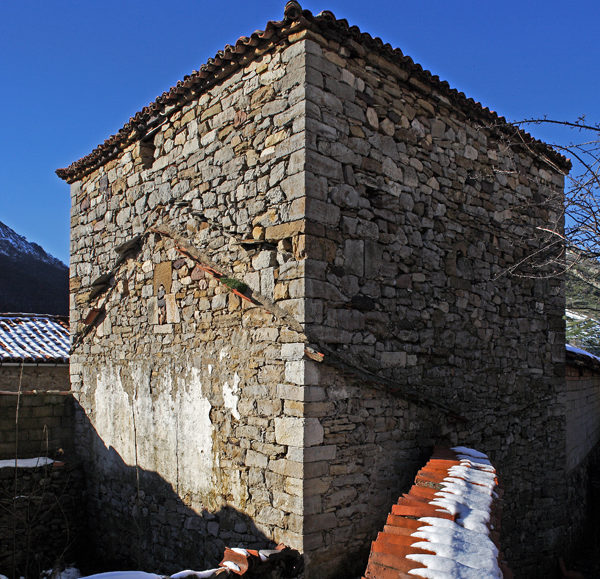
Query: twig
(15,487)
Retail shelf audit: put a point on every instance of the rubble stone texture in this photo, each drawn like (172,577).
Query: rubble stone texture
(583,411)
(40,517)
(32,377)
(36,424)
(379,215)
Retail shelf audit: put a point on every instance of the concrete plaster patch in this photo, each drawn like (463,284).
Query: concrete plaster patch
(230,398)
(166,424)
(163,275)
(112,418)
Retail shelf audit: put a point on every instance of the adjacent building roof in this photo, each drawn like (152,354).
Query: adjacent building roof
(582,357)
(34,338)
(231,58)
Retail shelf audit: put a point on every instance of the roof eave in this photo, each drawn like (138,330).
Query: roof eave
(231,58)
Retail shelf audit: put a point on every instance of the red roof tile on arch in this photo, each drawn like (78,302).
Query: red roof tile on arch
(232,57)
(447,525)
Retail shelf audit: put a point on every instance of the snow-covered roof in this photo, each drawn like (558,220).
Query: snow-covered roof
(584,353)
(34,338)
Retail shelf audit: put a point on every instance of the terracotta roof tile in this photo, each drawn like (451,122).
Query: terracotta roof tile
(228,60)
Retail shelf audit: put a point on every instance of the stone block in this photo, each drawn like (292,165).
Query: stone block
(172,309)
(287,468)
(256,459)
(301,393)
(292,351)
(289,431)
(284,230)
(313,432)
(312,454)
(393,359)
(293,186)
(152,308)
(321,165)
(354,256)
(288,503)
(322,212)
(267,282)
(294,372)
(293,431)
(319,522)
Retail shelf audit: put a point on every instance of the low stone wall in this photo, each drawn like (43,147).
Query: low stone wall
(44,427)
(40,518)
(582,412)
(34,377)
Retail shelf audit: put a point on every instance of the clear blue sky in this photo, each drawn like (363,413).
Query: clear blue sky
(74,71)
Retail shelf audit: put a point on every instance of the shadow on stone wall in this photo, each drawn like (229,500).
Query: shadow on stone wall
(41,518)
(137,520)
(584,533)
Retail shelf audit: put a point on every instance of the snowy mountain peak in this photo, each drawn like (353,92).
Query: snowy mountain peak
(15,246)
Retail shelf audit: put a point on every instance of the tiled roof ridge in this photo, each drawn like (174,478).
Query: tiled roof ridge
(448,523)
(228,60)
(191,85)
(61,319)
(33,315)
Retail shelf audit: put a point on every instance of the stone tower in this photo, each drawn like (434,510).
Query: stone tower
(288,282)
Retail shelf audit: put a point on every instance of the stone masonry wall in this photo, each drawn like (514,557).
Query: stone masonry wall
(582,400)
(583,413)
(41,522)
(34,377)
(360,207)
(45,424)
(179,380)
(415,213)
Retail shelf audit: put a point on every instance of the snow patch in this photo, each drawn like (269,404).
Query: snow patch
(469,452)
(68,573)
(200,574)
(26,462)
(124,575)
(575,316)
(231,565)
(443,568)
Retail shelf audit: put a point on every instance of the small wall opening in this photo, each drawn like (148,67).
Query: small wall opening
(147,152)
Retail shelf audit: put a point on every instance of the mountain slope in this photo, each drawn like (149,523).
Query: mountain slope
(583,305)
(31,280)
